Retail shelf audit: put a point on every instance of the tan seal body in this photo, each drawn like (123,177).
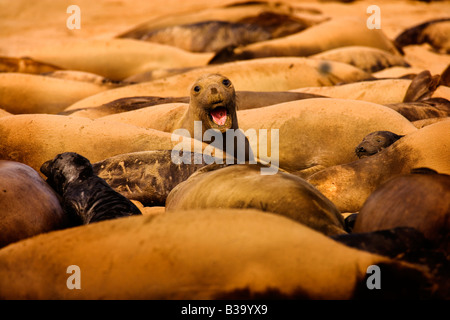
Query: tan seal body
(201,254)
(269,74)
(115,59)
(34,139)
(335,33)
(28,205)
(30,93)
(318,133)
(349,185)
(25,65)
(244,186)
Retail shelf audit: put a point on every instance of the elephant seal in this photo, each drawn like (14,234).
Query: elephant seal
(115,59)
(269,74)
(213,105)
(349,185)
(424,109)
(208,36)
(335,33)
(245,100)
(382,91)
(422,87)
(243,186)
(435,32)
(235,12)
(148,176)
(85,196)
(34,139)
(420,200)
(317,133)
(375,142)
(29,93)
(28,206)
(25,65)
(244,246)
(366,58)
(213,102)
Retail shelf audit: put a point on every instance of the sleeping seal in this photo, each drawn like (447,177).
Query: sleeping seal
(375,142)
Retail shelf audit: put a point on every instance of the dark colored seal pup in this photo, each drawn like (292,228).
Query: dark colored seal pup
(375,142)
(86,198)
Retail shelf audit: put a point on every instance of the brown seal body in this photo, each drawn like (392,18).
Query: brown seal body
(243,186)
(349,185)
(28,206)
(418,200)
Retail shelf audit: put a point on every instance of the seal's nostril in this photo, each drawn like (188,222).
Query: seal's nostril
(213,90)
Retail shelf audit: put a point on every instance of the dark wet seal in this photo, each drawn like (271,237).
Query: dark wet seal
(375,142)
(148,176)
(86,198)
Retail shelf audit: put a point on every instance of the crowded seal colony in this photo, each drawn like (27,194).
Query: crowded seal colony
(225,150)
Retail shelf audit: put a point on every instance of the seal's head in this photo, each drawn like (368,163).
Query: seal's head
(375,142)
(213,102)
(66,168)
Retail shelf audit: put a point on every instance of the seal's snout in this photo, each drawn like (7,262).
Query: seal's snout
(46,167)
(360,149)
(214,90)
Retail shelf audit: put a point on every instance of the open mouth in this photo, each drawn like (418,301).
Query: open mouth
(219,115)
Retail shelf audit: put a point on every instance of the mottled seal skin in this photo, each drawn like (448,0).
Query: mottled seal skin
(375,142)
(208,36)
(85,197)
(243,186)
(28,206)
(148,176)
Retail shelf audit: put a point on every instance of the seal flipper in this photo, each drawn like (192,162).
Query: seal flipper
(422,87)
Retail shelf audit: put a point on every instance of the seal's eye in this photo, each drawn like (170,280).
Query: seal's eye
(197,88)
(226,82)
